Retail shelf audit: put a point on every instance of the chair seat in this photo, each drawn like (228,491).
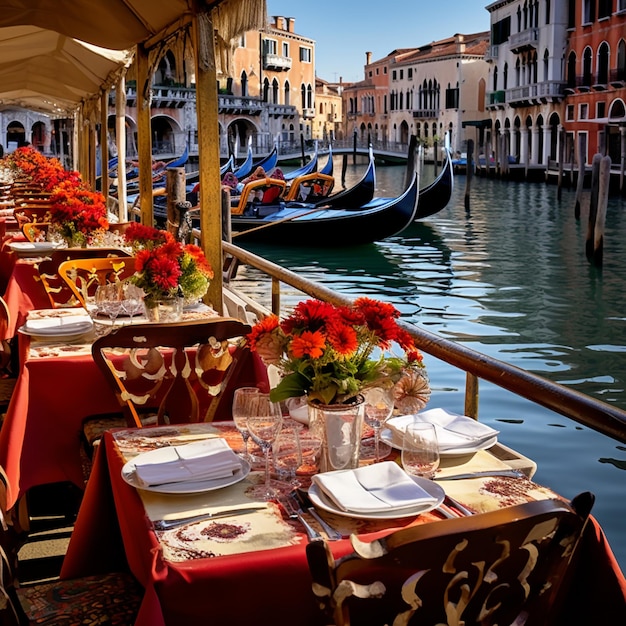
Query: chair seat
(111,599)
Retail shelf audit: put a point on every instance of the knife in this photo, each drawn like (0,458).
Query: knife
(512,473)
(166,524)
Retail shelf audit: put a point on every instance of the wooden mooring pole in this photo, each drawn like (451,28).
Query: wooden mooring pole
(582,151)
(603,199)
(344,167)
(176,192)
(593,205)
(561,159)
(469,169)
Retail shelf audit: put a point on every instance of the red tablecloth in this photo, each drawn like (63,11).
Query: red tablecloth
(55,391)
(24,292)
(268,586)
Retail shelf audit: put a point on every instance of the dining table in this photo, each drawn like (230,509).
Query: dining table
(249,566)
(58,386)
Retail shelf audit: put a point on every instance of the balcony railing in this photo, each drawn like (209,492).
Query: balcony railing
(282,110)
(525,40)
(276,62)
(239,105)
(427,114)
(308,113)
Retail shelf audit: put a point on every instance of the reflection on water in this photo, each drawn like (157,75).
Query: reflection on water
(509,278)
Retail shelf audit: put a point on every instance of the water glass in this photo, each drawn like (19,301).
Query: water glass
(378,409)
(287,456)
(242,407)
(420,450)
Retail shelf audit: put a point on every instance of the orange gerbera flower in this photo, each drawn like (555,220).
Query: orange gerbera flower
(308,344)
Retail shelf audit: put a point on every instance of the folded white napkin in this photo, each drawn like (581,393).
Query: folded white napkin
(64,323)
(210,459)
(453,431)
(377,488)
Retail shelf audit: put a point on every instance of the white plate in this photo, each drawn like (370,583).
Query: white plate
(76,332)
(433,489)
(387,436)
(29,248)
(198,486)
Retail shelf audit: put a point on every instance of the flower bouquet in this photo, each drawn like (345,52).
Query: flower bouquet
(166,269)
(331,354)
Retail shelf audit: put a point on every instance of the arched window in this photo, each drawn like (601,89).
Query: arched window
(275,91)
(266,90)
(621,60)
(303,95)
(505,76)
(286,93)
(587,67)
(518,72)
(244,84)
(548,9)
(309,97)
(603,63)
(546,66)
(571,70)
(495,78)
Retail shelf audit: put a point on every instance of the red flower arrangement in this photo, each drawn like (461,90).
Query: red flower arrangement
(324,351)
(77,211)
(165,267)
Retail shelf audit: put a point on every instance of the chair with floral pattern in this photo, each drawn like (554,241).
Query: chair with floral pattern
(172,373)
(502,567)
(110,598)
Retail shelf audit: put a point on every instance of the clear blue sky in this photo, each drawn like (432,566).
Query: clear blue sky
(344,31)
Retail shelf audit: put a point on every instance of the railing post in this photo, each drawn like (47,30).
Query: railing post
(275,296)
(471,395)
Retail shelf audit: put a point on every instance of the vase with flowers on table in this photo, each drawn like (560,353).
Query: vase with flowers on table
(331,355)
(170,273)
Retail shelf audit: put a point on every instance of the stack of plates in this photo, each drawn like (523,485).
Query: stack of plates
(457,434)
(378,491)
(66,326)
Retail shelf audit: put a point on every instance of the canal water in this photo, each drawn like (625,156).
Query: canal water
(509,278)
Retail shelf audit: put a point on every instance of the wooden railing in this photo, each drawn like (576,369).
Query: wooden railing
(599,416)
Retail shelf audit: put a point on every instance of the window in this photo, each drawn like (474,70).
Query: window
(500,31)
(571,70)
(583,111)
(600,110)
(571,14)
(393,75)
(603,64)
(285,48)
(385,69)
(377,71)
(409,73)
(452,97)
(604,8)
(401,74)
(569,114)
(305,55)
(587,67)
(589,11)
(547,11)
(269,46)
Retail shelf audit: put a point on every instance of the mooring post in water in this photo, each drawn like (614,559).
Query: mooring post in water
(344,167)
(411,165)
(469,168)
(354,148)
(560,165)
(302,149)
(593,204)
(435,152)
(603,199)
(582,151)
(622,168)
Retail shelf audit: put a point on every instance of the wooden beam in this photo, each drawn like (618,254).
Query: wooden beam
(209,153)
(144,138)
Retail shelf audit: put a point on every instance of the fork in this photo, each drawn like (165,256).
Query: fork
(303,500)
(295,512)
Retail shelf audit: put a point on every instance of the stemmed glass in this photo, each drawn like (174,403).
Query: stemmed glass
(378,409)
(242,406)
(265,420)
(420,450)
(109,300)
(132,302)
(287,457)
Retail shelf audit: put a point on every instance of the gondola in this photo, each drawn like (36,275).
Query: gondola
(321,225)
(435,196)
(308,168)
(246,167)
(328,168)
(228,166)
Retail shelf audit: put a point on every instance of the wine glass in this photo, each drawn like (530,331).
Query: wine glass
(265,420)
(242,403)
(378,409)
(109,300)
(420,450)
(287,457)
(132,300)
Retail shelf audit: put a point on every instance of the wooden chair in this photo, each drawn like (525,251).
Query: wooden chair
(112,598)
(35,231)
(501,567)
(171,373)
(84,276)
(58,290)
(31,214)
(8,362)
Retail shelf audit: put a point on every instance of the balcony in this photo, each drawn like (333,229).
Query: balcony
(536,93)
(308,113)
(617,78)
(492,53)
(426,114)
(239,105)
(172,97)
(282,110)
(496,99)
(526,40)
(276,62)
